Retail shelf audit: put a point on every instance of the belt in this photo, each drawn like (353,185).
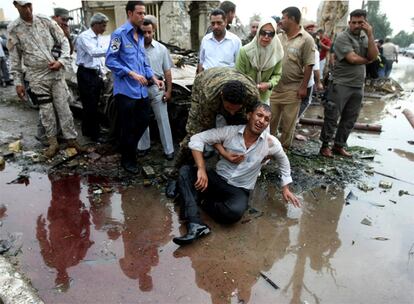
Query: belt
(95,71)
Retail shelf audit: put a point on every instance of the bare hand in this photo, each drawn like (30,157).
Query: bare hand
(166,97)
(263,86)
(302,92)
(55,65)
(21,92)
(202,180)
(234,157)
(159,83)
(367,28)
(290,197)
(141,79)
(319,87)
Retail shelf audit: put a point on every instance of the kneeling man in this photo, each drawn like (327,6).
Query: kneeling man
(224,192)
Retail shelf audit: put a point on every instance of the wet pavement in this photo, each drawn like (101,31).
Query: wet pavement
(94,240)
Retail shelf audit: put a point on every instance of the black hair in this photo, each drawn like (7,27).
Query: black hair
(130,6)
(228,6)
(260,104)
(147,22)
(234,92)
(293,11)
(358,13)
(218,11)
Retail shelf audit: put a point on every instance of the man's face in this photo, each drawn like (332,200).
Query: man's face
(355,24)
(231,107)
(25,11)
(218,25)
(253,28)
(101,27)
(311,29)
(230,16)
(258,120)
(137,16)
(148,33)
(61,20)
(285,22)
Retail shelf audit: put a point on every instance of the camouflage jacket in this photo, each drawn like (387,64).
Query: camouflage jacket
(30,45)
(206,103)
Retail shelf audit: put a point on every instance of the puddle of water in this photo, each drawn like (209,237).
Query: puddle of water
(84,247)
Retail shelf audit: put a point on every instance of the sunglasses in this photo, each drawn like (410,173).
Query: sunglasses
(269,34)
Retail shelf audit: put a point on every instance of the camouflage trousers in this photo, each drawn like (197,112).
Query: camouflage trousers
(58,108)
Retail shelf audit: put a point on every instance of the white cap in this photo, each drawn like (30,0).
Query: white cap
(22,2)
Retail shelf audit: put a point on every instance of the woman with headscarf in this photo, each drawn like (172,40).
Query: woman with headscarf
(261,59)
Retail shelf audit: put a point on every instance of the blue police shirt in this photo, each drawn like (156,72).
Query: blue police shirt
(125,55)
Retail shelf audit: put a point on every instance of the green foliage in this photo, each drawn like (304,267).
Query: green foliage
(403,39)
(379,22)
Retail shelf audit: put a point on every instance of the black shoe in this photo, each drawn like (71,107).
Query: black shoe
(171,190)
(169,156)
(142,153)
(195,231)
(130,167)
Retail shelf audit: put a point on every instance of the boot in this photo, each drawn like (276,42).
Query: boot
(53,147)
(194,232)
(73,143)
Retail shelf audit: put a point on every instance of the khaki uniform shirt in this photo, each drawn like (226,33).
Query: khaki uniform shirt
(299,52)
(30,44)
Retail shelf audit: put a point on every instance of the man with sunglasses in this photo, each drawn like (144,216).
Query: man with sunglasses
(354,48)
(297,63)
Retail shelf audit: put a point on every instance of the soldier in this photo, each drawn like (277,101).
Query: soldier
(61,16)
(40,43)
(220,96)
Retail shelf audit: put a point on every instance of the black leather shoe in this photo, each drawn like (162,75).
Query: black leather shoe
(130,167)
(169,156)
(171,190)
(195,231)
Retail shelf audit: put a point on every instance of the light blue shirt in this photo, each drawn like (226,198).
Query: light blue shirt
(89,47)
(125,55)
(244,174)
(159,58)
(222,53)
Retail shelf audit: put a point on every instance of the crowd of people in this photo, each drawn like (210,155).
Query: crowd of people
(245,102)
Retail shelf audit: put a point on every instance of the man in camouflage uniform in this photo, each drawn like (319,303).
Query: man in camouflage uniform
(31,40)
(209,109)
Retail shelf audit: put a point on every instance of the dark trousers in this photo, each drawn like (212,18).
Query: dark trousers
(90,87)
(133,119)
(4,69)
(345,102)
(226,204)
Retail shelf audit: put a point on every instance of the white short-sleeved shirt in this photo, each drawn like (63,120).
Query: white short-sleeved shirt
(222,53)
(159,58)
(316,67)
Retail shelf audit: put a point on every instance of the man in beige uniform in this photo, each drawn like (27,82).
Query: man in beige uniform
(40,44)
(297,63)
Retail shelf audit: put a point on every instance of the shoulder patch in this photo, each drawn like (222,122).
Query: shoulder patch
(115,44)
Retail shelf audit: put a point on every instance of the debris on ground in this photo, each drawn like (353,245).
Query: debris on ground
(385,185)
(273,284)
(15,146)
(366,221)
(365,187)
(380,238)
(404,192)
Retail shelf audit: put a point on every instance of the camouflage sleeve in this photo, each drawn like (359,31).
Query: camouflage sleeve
(15,53)
(61,39)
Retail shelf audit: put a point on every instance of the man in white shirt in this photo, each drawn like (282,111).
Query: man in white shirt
(90,50)
(220,47)
(161,63)
(390,52)
(225,190)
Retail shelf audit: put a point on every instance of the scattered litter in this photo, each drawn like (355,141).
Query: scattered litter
(98,192)
(411,142)
(5,245)
(366,221)
(364,187)
(15,146)
(368,156)
(380,238)
(69,152)
(353,242)
(385,185)
(253,210)
(2,163)
(94,156)
(377,205)
(148,171)
(269,280)
(22,178)
(392,201)
(351,197)
(403,192)
(147,182)
(301,137)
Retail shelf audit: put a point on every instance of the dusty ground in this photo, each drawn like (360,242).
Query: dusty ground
(91,234)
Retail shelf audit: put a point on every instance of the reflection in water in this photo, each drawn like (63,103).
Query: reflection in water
(318,239)
(3,210)
(147,226)
(65,240)
(227,263)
